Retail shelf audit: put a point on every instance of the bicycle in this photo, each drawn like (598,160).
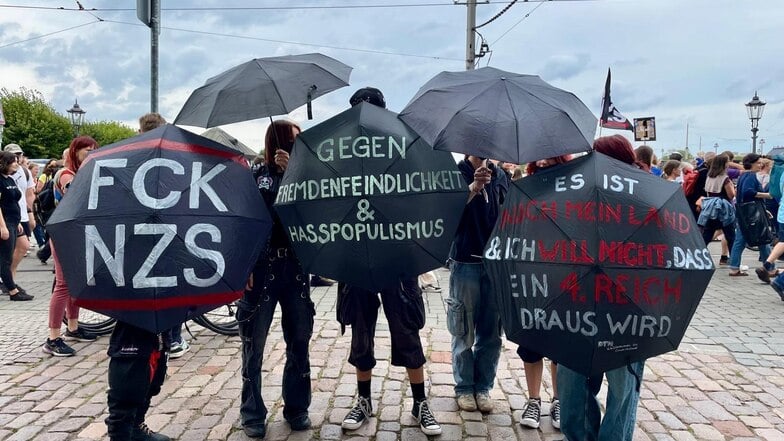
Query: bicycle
(222,320)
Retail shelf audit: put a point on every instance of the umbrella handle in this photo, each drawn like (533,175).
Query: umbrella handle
(310,100)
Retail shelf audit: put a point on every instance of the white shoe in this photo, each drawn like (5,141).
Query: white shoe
(179,349)
(466,402)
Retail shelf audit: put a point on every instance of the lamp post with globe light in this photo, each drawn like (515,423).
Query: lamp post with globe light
(76,114)
(754,108)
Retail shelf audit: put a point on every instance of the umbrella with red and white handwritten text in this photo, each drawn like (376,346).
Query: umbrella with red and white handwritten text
(159,228)
(597,264)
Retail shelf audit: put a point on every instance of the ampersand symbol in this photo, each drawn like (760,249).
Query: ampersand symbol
(363,212)
(493,253)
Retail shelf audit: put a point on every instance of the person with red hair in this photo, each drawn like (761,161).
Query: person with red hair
(581,417)
(61,301)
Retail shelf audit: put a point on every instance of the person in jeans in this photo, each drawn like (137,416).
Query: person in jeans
(581,417)
(749,189)
(277,278)
(405,312)
(472,314)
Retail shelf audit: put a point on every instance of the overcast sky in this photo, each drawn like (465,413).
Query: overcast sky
(694,62)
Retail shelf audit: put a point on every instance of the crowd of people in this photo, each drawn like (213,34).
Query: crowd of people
(712,185)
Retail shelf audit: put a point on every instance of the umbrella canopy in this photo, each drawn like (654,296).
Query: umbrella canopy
(262,87)
(158,228)
(366,201)
(221,136)
(596,264)
(501,115)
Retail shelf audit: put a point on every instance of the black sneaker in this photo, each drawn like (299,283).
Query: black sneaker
(357,416)
(532,413)
(143,433)
(79,335)
(21,296)
(555,413)
(320,281)
(427,422)
(58,348)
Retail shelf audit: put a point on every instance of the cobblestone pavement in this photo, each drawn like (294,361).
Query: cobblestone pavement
(726,382)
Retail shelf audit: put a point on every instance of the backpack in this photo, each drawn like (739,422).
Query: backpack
(47,199)
(775,177)
(690,181)
(45,204)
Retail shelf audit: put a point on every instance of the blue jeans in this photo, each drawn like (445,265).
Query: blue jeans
(739,245)
(473,321)
(280,281)
(580,414)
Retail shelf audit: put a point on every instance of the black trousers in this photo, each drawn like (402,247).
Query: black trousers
(7,255)
(133,381)
(279,280)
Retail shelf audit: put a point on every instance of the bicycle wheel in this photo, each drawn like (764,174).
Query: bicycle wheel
(222,320)
(94,322)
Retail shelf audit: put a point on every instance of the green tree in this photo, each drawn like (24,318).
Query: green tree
(107,132)
(32,122)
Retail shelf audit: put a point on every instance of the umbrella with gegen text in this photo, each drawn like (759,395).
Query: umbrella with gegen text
(365,201)
(596,264)
(159,228)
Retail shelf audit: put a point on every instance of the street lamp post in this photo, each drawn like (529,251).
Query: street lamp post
(77,115)
(755,108)
(716,148)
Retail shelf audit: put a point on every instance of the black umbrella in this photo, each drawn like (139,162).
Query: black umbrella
(366,201)
(160,227)
(596,264)
(495,114)
(263,87)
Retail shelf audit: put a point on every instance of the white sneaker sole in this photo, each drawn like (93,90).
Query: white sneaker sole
(431,431)
(352,426)
(530,423)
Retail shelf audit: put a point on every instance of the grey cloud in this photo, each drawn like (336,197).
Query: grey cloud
(560,67)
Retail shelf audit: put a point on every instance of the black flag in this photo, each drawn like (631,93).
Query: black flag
(611,117)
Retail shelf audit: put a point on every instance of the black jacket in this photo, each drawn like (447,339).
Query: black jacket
(478,216)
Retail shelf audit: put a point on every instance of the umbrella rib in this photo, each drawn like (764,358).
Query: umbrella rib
(274,85)
(537,98)
(467,103)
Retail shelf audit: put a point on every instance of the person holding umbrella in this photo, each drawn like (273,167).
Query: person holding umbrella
(277,278)
(138,361)
(580,414)
(472,315)
(404,308)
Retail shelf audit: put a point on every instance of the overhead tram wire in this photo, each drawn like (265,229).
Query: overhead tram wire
(297,43)
(266,8)
(521,20)
(50,33)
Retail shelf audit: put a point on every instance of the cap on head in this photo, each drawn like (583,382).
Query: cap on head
(13,148)
(369,94)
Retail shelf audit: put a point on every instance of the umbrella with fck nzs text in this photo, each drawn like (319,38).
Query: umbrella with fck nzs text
(365,201)
(596,264)
(159,228)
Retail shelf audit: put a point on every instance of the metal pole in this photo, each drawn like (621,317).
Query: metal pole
(155,29)
(470,35)
(754,140)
